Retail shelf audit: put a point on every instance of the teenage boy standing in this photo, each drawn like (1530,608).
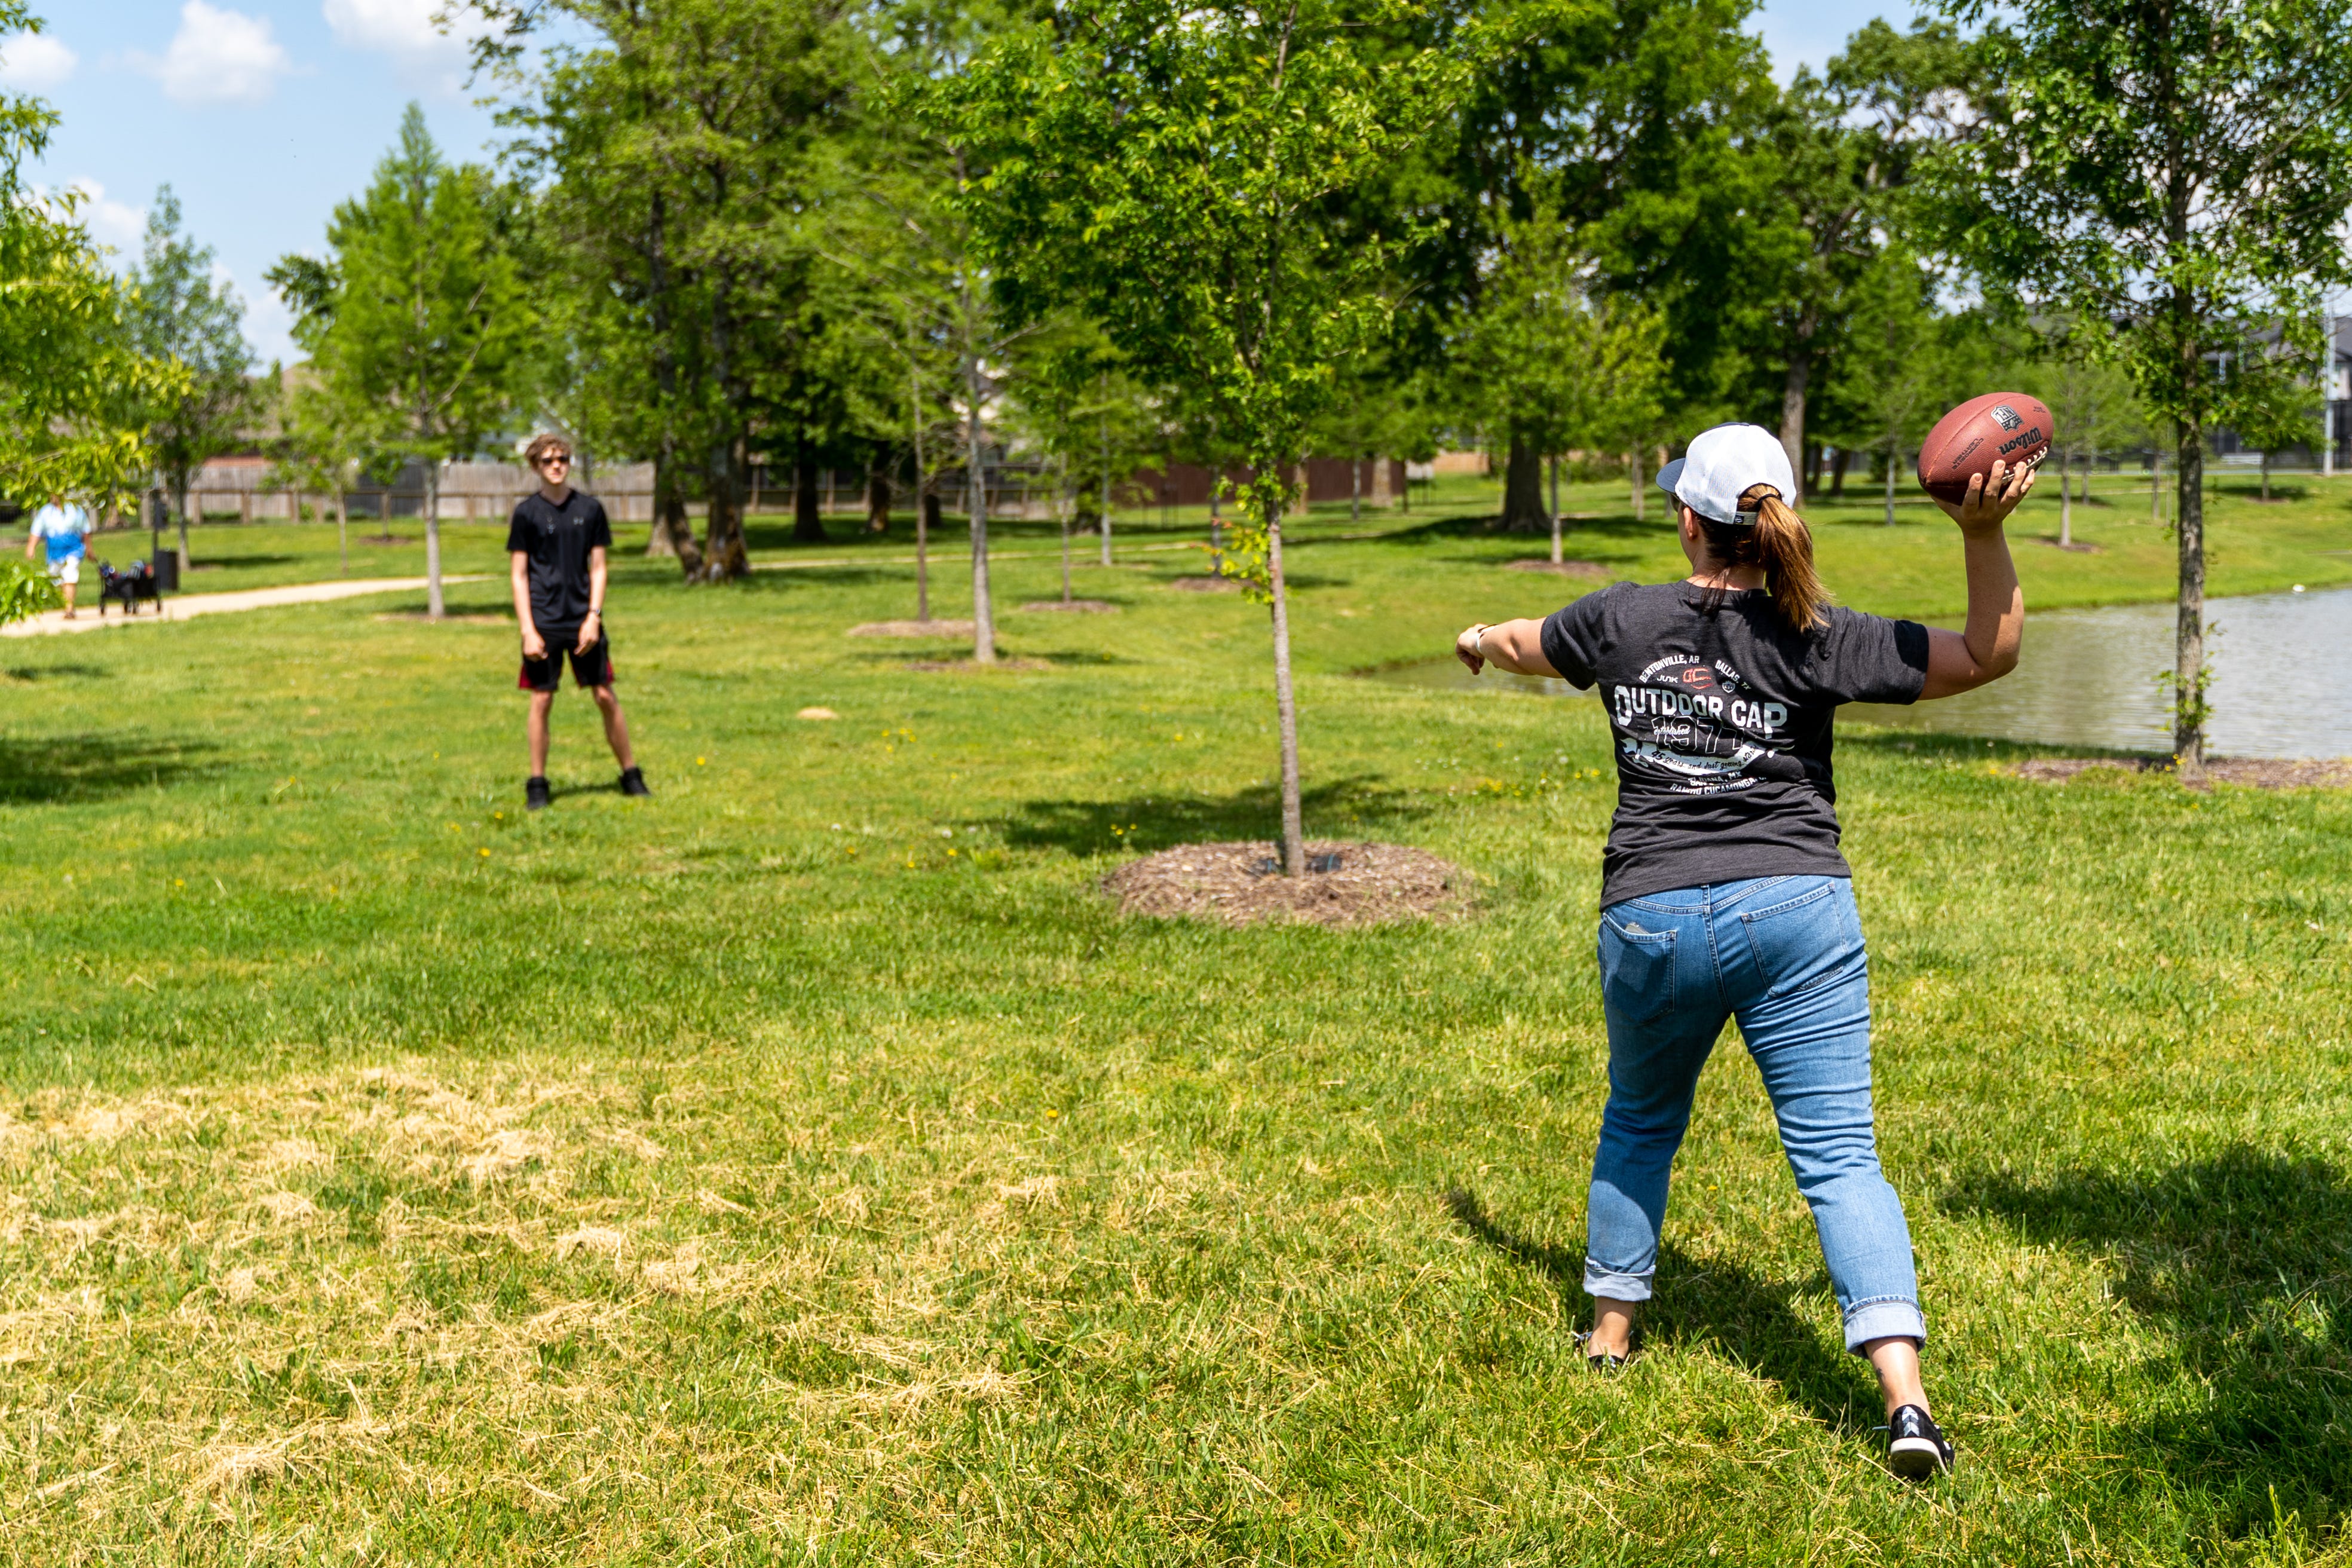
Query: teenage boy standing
(557,541)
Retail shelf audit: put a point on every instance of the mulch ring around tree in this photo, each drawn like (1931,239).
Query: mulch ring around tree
(1204,585)
(1240,884)
(912,629)
(1559,569)
(2250,773)
(1073,608)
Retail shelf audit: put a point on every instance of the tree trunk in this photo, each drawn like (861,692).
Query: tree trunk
(1107,485)
(1641,493)
(927,518)
(2066,501)
(983,623)
(1062,506)
(2267,475)
(1523,507)
(2189,662)
(182,497)
(808,522)
(877,500)
(926,503)
(1355,491)
(1794,384)
(2155,483)
(433,608)
(1556,557)
(724,556)
(343,530)
(1285,707)
(1837,473)
(1216,532)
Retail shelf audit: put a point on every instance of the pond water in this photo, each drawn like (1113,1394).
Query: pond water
(2088,678)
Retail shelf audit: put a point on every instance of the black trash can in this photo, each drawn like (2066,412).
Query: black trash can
(167,571)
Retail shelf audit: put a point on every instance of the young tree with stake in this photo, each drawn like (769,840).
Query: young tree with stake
(1168,168)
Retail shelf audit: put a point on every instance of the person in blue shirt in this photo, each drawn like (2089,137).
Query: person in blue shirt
(64,527)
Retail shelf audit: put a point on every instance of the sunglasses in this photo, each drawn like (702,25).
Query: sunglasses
(553,458)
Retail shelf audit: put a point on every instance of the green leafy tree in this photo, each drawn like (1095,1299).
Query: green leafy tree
(1560,366)
(1633,122)
(72,384)
(2091,402)
(1892,376)
(1168,168)
(2277,402)
(684,156)
(182,313)
(419,326)
(2180,170)
(1834,166)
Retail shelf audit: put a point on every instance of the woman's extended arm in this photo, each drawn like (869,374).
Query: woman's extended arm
(1513,645)
(1986,650)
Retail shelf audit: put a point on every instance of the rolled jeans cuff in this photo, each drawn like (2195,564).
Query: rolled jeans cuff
(1599,1281)
(1888,1317)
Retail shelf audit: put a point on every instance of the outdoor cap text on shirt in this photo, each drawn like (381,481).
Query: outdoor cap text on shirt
(1722,463)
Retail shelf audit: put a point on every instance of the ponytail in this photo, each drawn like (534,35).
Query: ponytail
(1779,542)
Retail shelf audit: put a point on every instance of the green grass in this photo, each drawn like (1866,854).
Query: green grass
(2252,548)
(806,1164)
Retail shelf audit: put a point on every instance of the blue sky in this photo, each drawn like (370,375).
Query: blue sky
(263,114)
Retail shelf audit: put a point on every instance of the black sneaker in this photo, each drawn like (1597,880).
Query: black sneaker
(632,782)
(534,793)
(1916,1448)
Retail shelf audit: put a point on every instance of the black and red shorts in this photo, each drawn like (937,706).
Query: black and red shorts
(589,670)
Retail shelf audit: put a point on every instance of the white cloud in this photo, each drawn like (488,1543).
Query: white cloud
(217,57)
(110,222)
(36,62)
(404,29)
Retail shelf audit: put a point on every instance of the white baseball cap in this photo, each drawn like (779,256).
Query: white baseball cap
(1722,463)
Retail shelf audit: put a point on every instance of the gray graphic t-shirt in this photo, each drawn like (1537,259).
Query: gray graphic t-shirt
(1722,720)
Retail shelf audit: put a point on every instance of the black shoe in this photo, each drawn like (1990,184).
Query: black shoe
(632,782)
(1916,1448)
(534,793)
(1603,1360)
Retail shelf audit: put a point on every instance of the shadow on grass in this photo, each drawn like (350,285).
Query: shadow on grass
(2245,1262)
(208,563)
(58,672)
(1344,808)
(58,769)
(1712,1301)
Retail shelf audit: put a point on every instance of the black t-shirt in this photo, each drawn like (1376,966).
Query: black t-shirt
(1722,722)
(558,539)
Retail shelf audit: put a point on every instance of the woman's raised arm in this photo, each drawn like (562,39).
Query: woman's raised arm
(1986,650)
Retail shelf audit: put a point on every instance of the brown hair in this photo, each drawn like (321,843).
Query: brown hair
(1779,542)
(541,445)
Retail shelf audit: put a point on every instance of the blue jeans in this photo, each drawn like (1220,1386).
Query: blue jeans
(1784,956)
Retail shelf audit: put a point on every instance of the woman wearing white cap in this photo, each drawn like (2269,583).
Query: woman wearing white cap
(1723,893)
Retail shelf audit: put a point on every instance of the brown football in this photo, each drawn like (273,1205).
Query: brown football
(1999,427)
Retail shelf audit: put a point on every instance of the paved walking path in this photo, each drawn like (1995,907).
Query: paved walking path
(187,607)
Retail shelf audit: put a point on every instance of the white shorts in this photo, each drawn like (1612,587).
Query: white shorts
(67,571)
